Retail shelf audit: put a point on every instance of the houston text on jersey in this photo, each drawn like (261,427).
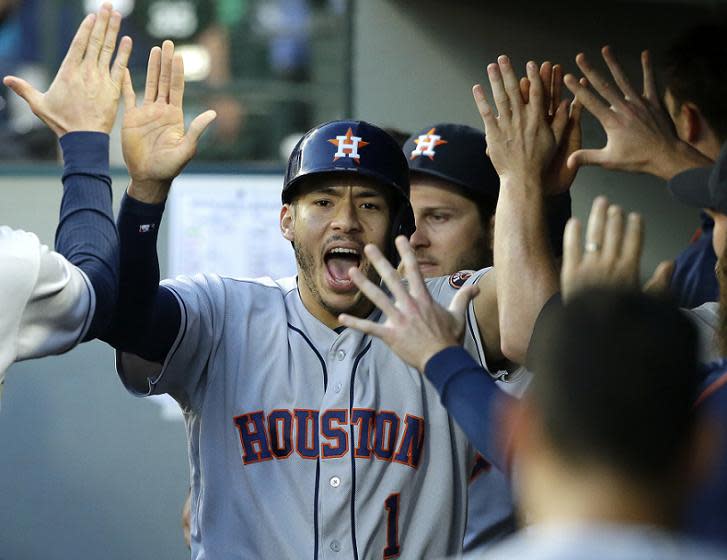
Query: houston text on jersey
(381,435)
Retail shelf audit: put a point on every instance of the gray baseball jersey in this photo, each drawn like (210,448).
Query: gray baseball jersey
(47,303)
(491,509)
(706,319)
(303,441)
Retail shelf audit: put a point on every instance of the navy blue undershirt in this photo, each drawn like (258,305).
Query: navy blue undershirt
(694,281)
(86,234)
(470,395)
(147,317)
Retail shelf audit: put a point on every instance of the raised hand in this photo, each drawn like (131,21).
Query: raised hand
(611,256)
(521,142)
(155,145)
(416,326)
(552,77)
(640,135)
(84,95)
(558,177)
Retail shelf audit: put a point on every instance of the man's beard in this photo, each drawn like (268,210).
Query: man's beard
(721,271)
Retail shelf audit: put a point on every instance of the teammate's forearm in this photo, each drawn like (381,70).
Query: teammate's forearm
(147,317)
(470,395)
(86,233)
(526,273)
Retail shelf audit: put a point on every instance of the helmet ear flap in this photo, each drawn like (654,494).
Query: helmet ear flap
(402,224)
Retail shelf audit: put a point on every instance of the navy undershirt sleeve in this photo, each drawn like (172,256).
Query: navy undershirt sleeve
(472,398)
(694,281)
(147,317)
(86,233)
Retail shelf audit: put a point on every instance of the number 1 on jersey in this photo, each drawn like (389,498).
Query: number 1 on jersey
(391,505)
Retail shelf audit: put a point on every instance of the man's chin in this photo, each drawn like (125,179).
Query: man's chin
(352,305)
(350,301)
(430,270)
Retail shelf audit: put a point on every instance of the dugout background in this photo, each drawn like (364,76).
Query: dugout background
(87,471)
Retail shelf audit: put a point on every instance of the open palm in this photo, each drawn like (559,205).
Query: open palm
(154,142)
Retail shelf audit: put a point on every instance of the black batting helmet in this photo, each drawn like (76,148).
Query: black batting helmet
(354,147)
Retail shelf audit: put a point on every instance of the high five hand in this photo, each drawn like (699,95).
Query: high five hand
(84,95)
(155,145)
(416,326)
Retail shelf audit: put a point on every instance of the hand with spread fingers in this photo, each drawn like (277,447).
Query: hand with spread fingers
(155,145)
(84,95)
(640,135)
(416,326)
(611,255)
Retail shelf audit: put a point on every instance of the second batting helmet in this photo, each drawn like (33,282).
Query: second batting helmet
(455,153)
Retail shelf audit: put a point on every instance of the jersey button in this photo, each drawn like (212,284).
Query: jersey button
(335,482)
(340,355)
(337,387)
(335,546)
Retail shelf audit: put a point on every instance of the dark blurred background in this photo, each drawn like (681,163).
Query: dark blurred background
(270,68)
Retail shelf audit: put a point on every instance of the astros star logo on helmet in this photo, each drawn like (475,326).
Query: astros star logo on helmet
(426,145)
(348,146)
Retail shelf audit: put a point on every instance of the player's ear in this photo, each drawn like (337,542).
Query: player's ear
(691,118)
(287,221)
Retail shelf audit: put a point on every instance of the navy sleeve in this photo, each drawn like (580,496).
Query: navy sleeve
(472,399)
(694,281)
(147,317)
(86,233)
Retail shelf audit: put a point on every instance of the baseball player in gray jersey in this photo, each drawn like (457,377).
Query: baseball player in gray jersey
(305,439)
(454,192)
(50,300)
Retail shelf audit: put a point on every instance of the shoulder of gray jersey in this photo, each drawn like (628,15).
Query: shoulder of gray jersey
(706,319)
(203,304)
(513,381)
